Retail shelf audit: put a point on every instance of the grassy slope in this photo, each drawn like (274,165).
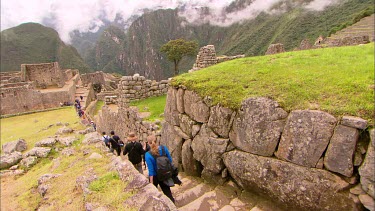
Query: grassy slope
(336,80)
(155,105)
(21,194)
(32,43)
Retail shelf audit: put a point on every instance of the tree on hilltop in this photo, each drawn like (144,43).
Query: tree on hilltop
(176,49)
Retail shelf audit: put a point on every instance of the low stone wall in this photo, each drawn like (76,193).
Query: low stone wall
(227,58)
(305,159)
(138,87)
(125,120)
(346,41)
(275,48)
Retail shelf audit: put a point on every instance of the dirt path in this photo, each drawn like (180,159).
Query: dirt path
(7,194)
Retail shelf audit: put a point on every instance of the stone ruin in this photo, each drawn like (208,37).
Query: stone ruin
(305,45)
(207,57)
(275,48)
(43,75)
(26,90)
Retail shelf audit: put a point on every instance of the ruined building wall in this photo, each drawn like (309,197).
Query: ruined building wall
(94,78)
(138,87)
(44,74)
(305,159)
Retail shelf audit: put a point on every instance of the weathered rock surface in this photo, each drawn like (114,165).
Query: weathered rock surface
(64,130)
(83,182)
(220,120)
(67,141)
(195,107)
(19,146)
(258,125)
(305,137)
(68,152)
(208,150)
(95,156)
(9,160)
(191,166)
(339,155)
(92,138)
(40,152)
(174,142)
(170,111)
(355,122)
(293,185)
(29,161)
(48,142)
(275,48)
(367,170)
(180,100)
(367,201)
(186,125)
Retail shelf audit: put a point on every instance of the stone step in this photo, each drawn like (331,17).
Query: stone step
(191,194)
(186,185)
(213,200)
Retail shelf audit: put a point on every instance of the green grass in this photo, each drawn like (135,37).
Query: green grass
(336,80)
(98,107)
(155,105)
(34,127)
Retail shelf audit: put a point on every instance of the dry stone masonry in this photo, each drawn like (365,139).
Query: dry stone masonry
(137,87)
(305,159)
(275,48)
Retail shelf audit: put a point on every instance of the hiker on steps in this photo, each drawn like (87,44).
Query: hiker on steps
(151,156)
(114,141)
(135,150)
(105,139)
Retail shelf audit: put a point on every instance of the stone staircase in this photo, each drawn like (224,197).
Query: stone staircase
(196,195)
(365,27)
(82,91)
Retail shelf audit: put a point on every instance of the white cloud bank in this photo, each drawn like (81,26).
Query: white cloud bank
(88,15)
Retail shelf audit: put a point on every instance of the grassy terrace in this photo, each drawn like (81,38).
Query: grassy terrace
(339,81)
(154,105)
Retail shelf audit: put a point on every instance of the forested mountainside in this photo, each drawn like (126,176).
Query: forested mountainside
(139,50)
(31,43)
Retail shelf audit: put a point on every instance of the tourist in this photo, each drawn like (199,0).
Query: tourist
(135,150)
(150,156)
(114,141)
(105,139)
(93,125)
(147,148)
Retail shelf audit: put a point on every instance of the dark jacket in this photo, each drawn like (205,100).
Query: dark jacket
(114,141)
(135,151)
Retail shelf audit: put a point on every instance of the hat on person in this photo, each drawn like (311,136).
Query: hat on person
(132,137)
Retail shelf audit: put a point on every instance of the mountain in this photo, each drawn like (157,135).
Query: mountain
(32,43)
(290,24)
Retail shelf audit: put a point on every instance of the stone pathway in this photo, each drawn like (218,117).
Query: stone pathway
(82,91)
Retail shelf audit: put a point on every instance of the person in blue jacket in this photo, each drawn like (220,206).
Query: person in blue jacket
(155,151)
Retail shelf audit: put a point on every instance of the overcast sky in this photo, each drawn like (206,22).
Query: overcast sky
(86,15)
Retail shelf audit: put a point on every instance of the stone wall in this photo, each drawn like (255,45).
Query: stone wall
(44,74)
(346,41)
(305,159)
(94,78)
(24,98)
(125,120)
(138,87)
(275,48)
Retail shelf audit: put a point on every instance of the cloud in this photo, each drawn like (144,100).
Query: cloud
(320,5)
(88,15)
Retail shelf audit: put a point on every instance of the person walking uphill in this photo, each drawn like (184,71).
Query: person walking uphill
(135,150)
(114,141)
(151,156)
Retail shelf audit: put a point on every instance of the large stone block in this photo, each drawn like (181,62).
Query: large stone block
(355,122)
(170,111)
(367,169)
(191,166)
(19,146)
(305,137)
(295,186)
(180,100)
(208,150)
(220,120)
(195,107)
(186,124)
(339,155)
(258,125)
(9,160)
(170,138)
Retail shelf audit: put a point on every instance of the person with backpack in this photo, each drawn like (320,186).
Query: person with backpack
(147,148)
(114,141)
(160,168)
(105,139)
(135,150)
